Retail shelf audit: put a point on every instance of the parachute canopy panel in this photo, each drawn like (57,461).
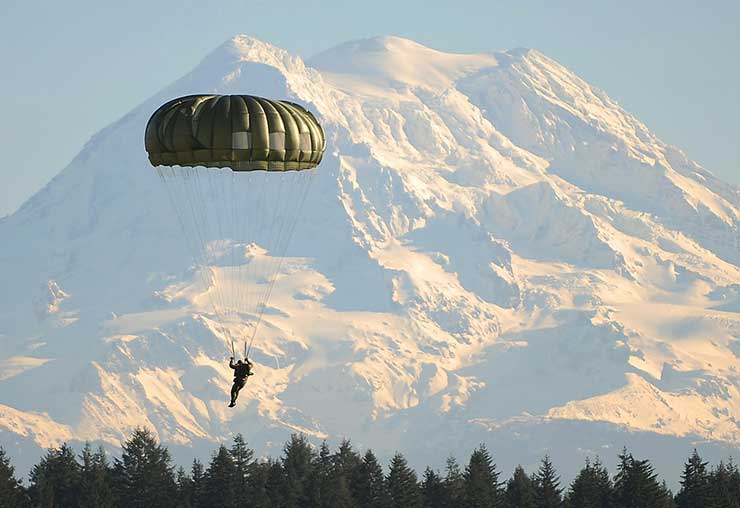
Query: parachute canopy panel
(241,132)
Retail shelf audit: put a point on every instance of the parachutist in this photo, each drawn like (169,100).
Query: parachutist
(241,371)
(239,165)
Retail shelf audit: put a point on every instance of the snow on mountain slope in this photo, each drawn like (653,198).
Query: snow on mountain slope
(491,248)
(392,62)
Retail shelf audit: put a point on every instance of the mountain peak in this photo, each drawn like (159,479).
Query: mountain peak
(391,43)
(244,44)
(522,52)
(244,64)
(391,60)
(244,47)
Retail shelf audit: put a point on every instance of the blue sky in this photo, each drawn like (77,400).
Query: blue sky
(70,68)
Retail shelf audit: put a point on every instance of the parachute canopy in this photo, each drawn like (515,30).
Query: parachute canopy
(237,169)
(241,132)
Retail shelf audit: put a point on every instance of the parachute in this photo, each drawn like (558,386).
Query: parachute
(237,169)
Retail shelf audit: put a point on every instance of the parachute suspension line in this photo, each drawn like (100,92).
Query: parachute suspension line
(235,243)
(286,221)
(305,185)
(241,198)
(230,244)
(264,231)
(201,225)
(273,236)
(248,206)
(209,175)
(273,244)
(171,193)
(201,222)
(217,205)
(187,177)
(282,248)
(242,289)
(251,206)
(218,209)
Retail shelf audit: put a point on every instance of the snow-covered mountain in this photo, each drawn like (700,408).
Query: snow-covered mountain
(493,251)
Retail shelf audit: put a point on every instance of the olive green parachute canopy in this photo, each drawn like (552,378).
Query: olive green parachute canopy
(241,132)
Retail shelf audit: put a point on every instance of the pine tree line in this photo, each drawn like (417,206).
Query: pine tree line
(303,477)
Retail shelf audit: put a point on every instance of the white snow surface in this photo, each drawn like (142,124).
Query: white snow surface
(492,248)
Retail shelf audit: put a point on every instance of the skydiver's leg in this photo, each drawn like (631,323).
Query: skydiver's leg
(238,385)
(234,393)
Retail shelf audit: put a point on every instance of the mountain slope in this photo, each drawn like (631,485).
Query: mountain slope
(491,247)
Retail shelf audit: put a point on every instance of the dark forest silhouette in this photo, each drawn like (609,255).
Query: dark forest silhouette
(305,477)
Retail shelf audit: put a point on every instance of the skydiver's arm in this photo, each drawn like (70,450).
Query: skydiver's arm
(231,363)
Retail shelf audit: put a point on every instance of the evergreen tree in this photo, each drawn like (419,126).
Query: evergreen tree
(346,459)
(56,479)
(433,493)
(184,489)
(369,486)
(297,464)
(243,457)
(197,478)
(96,484)
(219,481)
(520,492)
(695,488)
(342,495)
(321,482)
(143,477)
(664,498)
(259,477)
(636,485)
(454,483)
(592,488)
(548,493)
(345,470)
(402,484)
(482,489)
(277,488)
(12,494)
(723,487)
(623,478)
(734,486)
